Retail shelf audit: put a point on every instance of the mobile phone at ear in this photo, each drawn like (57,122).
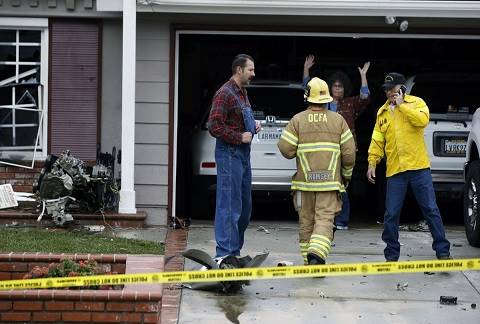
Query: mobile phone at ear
(403,89)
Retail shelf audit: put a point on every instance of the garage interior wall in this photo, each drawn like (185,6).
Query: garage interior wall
(151,118)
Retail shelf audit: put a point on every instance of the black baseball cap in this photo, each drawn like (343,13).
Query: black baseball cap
(392,79)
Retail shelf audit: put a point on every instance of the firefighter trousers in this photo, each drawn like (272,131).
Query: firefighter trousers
(316,211)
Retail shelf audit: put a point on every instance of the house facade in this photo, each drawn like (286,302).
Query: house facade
(138,75)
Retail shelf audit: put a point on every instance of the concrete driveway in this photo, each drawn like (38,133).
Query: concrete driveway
(355,299)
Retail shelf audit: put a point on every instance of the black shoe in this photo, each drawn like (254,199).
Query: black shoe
(444,257)
(314,259)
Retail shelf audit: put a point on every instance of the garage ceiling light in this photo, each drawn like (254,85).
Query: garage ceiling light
(401,23)
(390,20)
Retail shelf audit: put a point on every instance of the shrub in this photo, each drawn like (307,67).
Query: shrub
(70,268)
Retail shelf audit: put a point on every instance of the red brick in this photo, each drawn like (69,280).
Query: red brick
(150,318)
(121,307)
(16,182)
(37,264)
(47,317)
(5,276)
(90,306)
(5,175)
(23,188)
(118,267)
(77,316)
(58,305)
(131,318)
(28,305)
(106,317)
(17,275)
(5,305)
(147,307)
(16,316)
(13,266)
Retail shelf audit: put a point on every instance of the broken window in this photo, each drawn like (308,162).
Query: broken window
(21,91)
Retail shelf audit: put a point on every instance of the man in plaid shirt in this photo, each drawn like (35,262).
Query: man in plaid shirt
(232,123)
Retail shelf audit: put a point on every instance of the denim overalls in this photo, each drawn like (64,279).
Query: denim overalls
(234,184)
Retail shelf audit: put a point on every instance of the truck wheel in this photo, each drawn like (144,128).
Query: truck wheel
(471,207)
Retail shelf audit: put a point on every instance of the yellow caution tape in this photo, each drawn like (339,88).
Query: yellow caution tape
(291,272)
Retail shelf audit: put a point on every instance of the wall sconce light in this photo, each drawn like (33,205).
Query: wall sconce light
(402,24)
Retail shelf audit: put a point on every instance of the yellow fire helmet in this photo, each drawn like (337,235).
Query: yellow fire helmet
(317,91)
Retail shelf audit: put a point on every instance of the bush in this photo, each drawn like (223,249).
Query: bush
(70,268)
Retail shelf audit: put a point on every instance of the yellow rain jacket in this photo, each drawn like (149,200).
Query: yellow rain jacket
(398,134)
(324,147)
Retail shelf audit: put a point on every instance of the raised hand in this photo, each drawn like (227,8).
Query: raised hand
(364,69)
(309,61)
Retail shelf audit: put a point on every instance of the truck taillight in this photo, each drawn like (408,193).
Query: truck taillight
(208,165)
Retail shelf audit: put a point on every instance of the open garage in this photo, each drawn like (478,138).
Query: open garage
(203,64)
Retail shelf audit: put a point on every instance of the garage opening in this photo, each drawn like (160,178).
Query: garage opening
(203,64)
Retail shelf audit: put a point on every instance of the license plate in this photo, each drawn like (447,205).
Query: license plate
(455,147)
(270,134)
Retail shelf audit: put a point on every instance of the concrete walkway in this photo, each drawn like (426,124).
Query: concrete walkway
(355,299)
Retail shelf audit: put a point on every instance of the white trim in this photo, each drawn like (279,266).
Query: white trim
(372,8)
(24,23)
(44,50)
(127,191)
(316,34)
(175,127)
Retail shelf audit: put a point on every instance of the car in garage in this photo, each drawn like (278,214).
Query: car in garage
(451,98)
(274,103)
(471,208)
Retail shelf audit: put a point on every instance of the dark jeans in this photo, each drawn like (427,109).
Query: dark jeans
(234,197)
(421,183)
(344,216)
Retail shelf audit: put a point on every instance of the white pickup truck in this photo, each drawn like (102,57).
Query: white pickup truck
(274,104)
(450,107)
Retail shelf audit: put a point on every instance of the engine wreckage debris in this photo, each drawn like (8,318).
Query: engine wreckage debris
(66,183)
(227,262)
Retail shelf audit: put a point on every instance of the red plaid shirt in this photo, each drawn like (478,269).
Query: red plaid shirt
(226,119)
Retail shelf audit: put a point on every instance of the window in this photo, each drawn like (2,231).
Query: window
(23,71)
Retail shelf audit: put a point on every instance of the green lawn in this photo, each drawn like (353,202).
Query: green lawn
(62,241)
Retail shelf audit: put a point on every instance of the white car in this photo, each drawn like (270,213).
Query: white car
(274,103)
(471,208)
(450,122)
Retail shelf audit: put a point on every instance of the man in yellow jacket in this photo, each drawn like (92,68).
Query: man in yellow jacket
(325,154)
(398,135)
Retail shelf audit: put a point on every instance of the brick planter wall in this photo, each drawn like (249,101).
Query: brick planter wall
(113,219)
(21,179)
(133,304)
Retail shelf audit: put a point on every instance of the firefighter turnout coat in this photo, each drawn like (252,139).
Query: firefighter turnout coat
(324,149)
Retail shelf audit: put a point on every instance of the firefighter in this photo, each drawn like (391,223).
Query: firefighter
(324,149)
